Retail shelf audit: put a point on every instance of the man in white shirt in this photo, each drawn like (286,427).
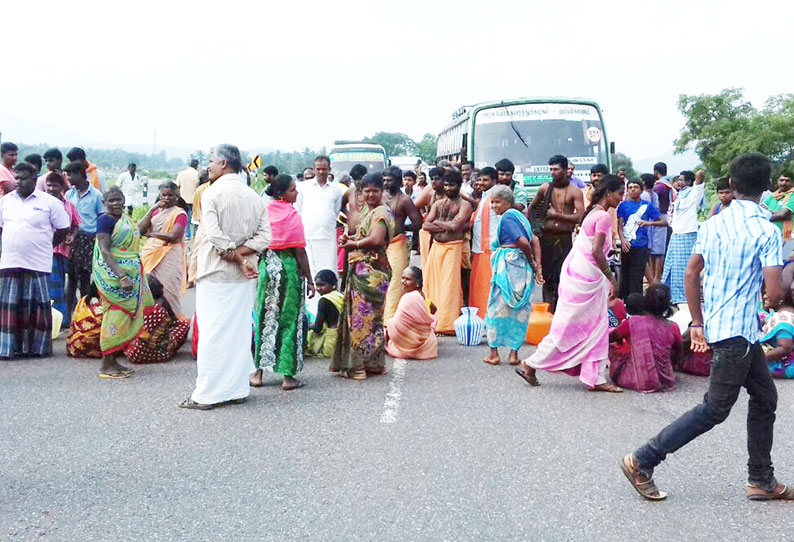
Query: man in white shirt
(234,229)
(685,233)
(131,185)
(319,202)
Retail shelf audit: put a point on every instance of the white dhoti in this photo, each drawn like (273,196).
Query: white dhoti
(224,313)
(321,254)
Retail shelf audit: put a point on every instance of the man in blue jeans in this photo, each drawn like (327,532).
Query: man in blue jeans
(738,249)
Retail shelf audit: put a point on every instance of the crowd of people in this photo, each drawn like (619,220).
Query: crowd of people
(322,267)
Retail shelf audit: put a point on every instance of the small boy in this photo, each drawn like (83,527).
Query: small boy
(323,332)
(635,215)
(56,184)
(725,195)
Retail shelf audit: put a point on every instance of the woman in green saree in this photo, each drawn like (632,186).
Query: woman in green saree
(121,286)
(360,348)
(283,275)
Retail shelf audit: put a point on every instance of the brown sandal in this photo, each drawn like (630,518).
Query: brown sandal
(781,493)
(645,486)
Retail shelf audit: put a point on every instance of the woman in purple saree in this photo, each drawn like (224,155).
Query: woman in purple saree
(578,342)
(654,346)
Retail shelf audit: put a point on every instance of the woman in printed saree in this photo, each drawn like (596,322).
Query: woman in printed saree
(578,341)
(411,332)
(163,332)
(163,256)
(120,283)
(360,347)
(777,340)
(283,277)
(515,262)
(323,332)
(652,345)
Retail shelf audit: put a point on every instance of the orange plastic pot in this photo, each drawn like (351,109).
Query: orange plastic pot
(539,323)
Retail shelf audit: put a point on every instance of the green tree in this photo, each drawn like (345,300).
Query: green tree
(721,126)
(395,143)
(621,160)
(426,148)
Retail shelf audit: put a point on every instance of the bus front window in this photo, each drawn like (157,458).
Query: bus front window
(529,134)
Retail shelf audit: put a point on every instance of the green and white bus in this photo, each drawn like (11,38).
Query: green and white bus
(528,131)
(345,156)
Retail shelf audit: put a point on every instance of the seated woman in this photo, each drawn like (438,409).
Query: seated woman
(83,340)
(163,332)
(323,332)
(777,340)
(411,332)
(655,345)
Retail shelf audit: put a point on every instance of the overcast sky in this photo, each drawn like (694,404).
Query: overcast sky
(291,74)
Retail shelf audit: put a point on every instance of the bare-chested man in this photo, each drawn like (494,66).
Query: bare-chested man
(447,222)
(398,252)
(431,193)
(559,207)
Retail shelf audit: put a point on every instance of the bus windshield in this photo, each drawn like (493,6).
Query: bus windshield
(529,134)
(343,161)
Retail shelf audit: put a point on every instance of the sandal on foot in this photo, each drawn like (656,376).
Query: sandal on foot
(353,375)
(114,376)
(256,385)
(491,361)
(644,485)
(607,387)
(191,404)
(514,362)
(530,378)
(781,493)
(295,386)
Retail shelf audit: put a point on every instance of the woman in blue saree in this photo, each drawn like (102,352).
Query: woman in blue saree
(515,264)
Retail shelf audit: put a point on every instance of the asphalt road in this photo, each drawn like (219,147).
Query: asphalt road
(449,449)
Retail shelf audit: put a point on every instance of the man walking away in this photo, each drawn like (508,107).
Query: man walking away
(187,181)
(32,222)
(234,229)
(738,249)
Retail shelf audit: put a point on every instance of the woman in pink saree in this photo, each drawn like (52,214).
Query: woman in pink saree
(578,342)
(163,256)
(410,333)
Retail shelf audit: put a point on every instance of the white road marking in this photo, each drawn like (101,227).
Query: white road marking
(391,405)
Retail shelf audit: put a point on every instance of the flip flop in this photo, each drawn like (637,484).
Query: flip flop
(114,376)
(299,384)
(260,385)
(191,404)
(532,380)
(490,361)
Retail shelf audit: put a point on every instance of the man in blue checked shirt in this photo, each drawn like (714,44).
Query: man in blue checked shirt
(738,249)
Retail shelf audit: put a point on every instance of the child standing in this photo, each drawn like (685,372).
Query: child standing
(634,217)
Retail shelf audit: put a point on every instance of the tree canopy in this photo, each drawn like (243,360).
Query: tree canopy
(722,126)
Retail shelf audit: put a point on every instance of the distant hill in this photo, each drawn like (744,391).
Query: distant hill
(676,163)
